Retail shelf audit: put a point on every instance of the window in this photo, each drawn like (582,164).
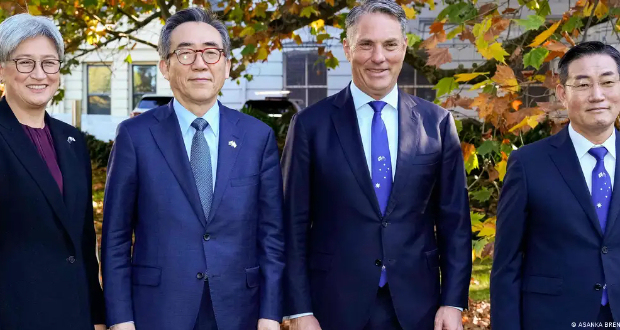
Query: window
(99,79)
(305,76)
(415,83)
(144,79)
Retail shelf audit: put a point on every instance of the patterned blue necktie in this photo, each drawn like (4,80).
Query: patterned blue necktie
(200,161)
(601,193)
(381,164)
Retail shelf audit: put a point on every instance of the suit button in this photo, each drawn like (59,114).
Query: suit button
(199,276)
(378,263)
(71,259)
(384,224)
(604,250)
(598,287)
(206,237)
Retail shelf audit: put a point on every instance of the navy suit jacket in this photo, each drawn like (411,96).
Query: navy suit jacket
(151,193)
(551,258)
(337,239)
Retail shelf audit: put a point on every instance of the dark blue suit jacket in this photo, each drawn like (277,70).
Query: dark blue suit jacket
(337,239)
(551,257)
(151,192)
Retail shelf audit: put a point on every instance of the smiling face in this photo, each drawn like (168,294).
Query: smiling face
(376,54)
(198,83)
(592,111)
(30,91)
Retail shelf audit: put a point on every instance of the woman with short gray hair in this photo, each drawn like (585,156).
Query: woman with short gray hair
(48,267)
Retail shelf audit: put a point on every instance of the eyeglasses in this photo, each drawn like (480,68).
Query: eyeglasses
(605,85)
(188,56)
(26,65)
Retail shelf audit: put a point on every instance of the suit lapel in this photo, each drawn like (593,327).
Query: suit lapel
(167,135)
(408,137)
(565,159)
(614,208)
(347,128)
(27,154)
(227,154)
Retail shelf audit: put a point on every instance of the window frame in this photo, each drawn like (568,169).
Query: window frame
(306,86)
(88,94)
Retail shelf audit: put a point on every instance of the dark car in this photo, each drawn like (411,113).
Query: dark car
(148,102)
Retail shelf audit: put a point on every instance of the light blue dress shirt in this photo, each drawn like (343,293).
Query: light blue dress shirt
(211,133)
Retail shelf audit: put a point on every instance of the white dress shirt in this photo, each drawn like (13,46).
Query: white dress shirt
(389,114)
(211,133)
(587,161)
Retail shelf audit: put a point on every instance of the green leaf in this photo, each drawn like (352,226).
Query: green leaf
(543,9)
(236,14)
(574,22)
(506,148)
(445,86)
(535,57)
(481,195)
(308,11)
(533,22)
(476,217)
(322,37)
(454,32)
(471,163)
(248,50)
(88,3)
(332,63)
(459,126)
(459,12)
(412,39)
(487,147)
(128,59)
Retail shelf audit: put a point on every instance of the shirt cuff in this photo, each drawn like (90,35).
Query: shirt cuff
(297,316)
(459,308)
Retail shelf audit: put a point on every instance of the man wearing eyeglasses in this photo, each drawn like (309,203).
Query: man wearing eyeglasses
(200,187)
(557,250)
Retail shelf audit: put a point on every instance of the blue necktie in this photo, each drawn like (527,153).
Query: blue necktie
(200,161)
(601,193)
(381,164)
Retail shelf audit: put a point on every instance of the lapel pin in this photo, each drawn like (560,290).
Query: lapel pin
(232,144)
(70,139)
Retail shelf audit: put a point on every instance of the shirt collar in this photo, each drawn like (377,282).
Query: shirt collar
(360,98)
(186,117)
(583,145)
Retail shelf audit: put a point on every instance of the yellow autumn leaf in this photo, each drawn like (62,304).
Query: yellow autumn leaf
(262,54)
(587,11)
(297,39)
(545,35)
(431,4)
(464,77)
(480,84)
(495,51)
(409,12)
(318,24)
(34,10)
(540,77)
(501,169)
(247,31)
(601,10)
(531,121)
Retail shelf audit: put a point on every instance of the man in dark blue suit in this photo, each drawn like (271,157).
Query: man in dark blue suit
(557,249)
(200,187)
(375,197)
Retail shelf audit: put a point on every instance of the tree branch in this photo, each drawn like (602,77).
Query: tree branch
(128,15)
(120,35)
(164,8)
(585,31)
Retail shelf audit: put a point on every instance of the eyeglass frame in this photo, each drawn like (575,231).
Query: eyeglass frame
(15,60)
(615,81)
(196,51)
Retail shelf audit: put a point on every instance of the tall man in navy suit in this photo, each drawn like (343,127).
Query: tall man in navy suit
(200,186)
(557,249)
(375,197)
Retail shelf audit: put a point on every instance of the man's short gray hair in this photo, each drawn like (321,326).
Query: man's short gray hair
(20,27)
(191,15)
(388,7)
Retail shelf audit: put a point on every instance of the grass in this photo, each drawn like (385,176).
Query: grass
(481,276)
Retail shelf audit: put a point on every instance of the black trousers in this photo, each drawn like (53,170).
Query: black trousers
(383,315)
(206,317)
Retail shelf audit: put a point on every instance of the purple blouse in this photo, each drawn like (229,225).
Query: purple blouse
(42,139)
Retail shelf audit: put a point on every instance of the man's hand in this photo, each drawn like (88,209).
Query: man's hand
(100,327)
(266,324)
(308,322)
(124,326)
(448,318)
